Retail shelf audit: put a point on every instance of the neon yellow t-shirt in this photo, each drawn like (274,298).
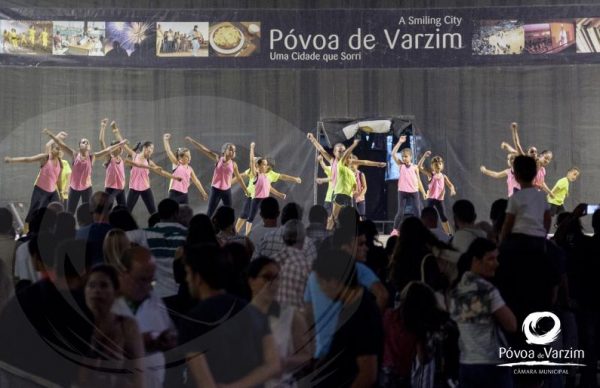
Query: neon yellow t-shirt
(346,180)
(330,187)
(272,176)
(561,191)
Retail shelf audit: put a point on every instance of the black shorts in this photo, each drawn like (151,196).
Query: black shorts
(342,200)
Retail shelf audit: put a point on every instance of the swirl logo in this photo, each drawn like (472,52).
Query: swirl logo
(530,328)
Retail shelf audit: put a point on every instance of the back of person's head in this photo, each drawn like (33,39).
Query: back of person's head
(257,265)
(596,221)
(42,220)
(348,218)
(83,215)
(429,217)
(317,215)
(41,248)
(70,259)
(335,264)
(115,243)
(291,211)
(476,251)
(269,209)
(419,309)
(414,234)
(498,210)
(525,168)
(185,215)
(224,218)
(168,210)
(65,226)
(201,230)
(57,207)
(464,211)
(370,230)
(210,261)
(122,219)
(130,255)
(390,245)
(100,203)
(153,220)
(6,220)
(293,232)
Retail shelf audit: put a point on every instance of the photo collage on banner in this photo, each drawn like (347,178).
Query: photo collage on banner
(507,37)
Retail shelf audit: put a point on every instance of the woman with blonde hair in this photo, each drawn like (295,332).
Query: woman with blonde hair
(115,243)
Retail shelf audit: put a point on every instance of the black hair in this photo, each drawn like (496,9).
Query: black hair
(42,246)
(153,220)
(291,211)
(6,220)
(201,230)
(596,220)
(42,219)
(525,168)
(429,212)
(348,217)
(83,214)
(269,208)
(317,214)
(478,248)
(224,217)
(168,209)
(210,261)
(65,226)
(107,270)
(122,219)
(464,211)
(140,146)
(257,265)
(334,264)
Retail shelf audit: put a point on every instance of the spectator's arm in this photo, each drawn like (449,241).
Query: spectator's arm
(509,222)
(367,371)
(381,295)
(270,368)
(507,320)
(198,367)
(547,221)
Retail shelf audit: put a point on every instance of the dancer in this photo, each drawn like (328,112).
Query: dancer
(80,186)
(65,173)
(262,186)
(344,186)
(560,191)
(114,182)
(437,187)
(225,169)
(139,179)
(48,181)
(543,160)
(517,149)
(409,184)
(178,190)
(361,188)
(273,177)
(328,205)
(511,182)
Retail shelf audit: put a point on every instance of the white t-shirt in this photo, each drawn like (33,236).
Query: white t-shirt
(528,206)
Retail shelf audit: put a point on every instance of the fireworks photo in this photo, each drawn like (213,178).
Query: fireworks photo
(128,38)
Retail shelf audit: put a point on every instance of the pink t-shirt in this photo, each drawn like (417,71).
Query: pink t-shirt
(139,179)
(358,174)
(437,187)
(81,174)
(539,179)
(185,173)
(262,186)
(511,182)
(48,176)
(222,175)
(115,174)
(408,178)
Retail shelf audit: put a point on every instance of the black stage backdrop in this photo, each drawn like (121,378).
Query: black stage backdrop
(463,113)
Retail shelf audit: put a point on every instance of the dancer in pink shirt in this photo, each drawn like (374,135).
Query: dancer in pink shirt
(181,158)
(437,187)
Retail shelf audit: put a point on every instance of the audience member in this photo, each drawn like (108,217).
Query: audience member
(269,212)
(224,221)
(429,217)
(7,241)
(95,232)
(295,266)
(317,227)
(122,219)
(115,243)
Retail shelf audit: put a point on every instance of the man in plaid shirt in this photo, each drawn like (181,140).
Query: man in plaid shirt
(295,266)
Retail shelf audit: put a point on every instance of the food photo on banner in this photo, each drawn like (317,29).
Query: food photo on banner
(236,39)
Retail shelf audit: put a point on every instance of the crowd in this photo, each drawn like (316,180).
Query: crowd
(482,44)
(96,299)
(538,45)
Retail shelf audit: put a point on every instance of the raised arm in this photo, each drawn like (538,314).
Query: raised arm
(205,150)
(421,165)
(277,193)
(349,151)
(236,173)
(109,149)
(494,174)
(66,149)
(61,135)
(168,150)
(401,140)
(102,132)
(450,185)
(199,186)
(319,147)
(289,178)
(252,164)
(516,141)
(119,137)
(26,159)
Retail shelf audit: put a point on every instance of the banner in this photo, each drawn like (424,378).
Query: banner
(336,39)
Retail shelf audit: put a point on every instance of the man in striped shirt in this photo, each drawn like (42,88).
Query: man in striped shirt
(163,240)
